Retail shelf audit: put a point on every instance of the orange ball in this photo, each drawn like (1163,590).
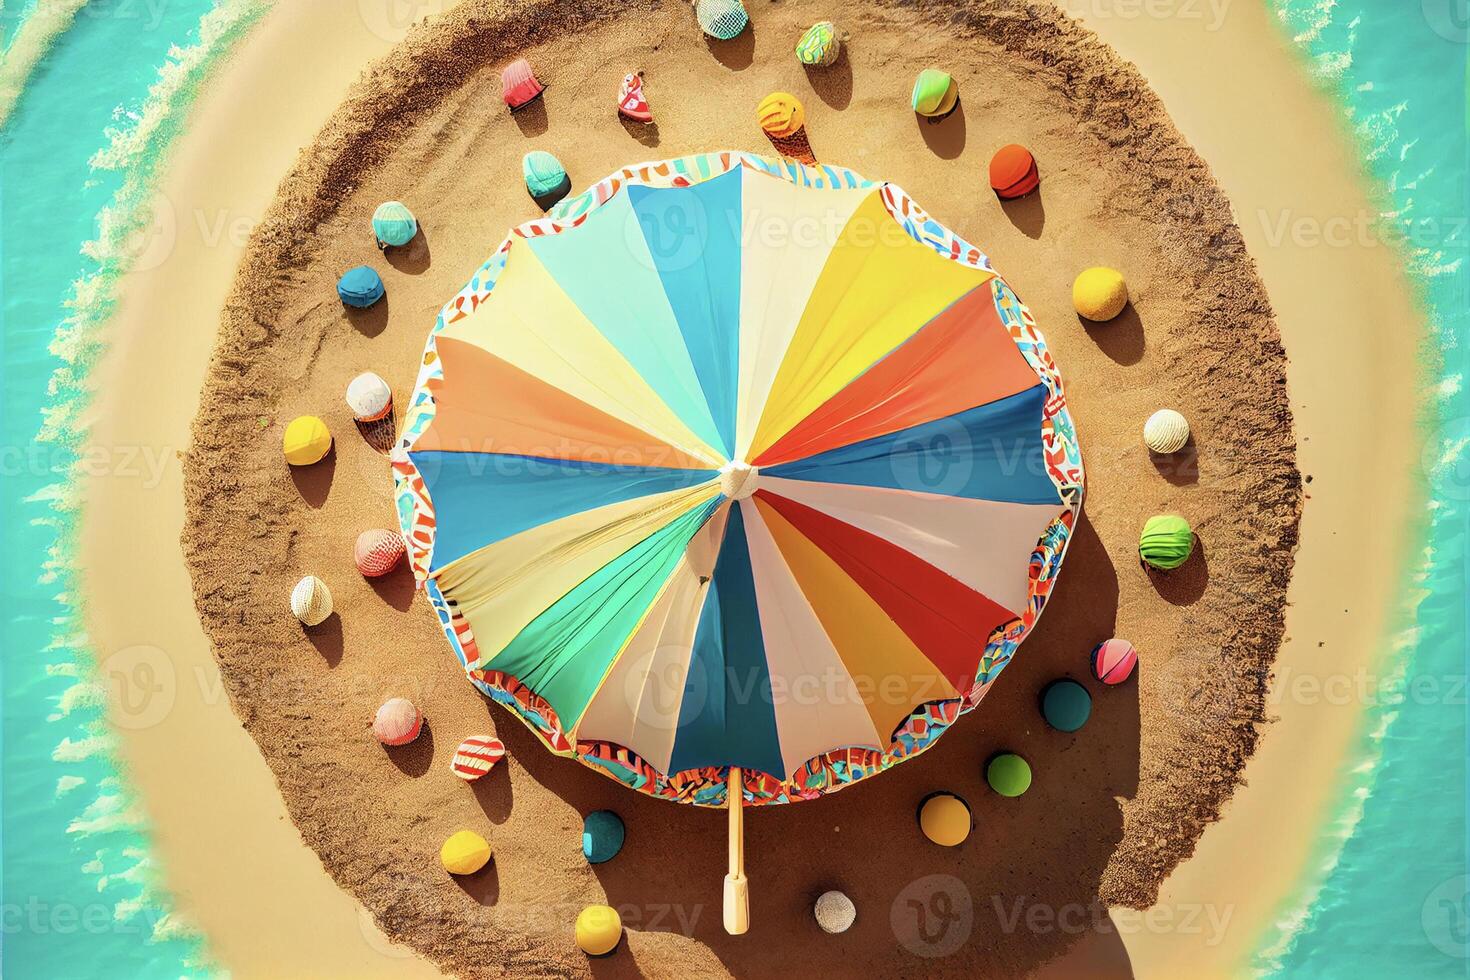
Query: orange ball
(1013,172)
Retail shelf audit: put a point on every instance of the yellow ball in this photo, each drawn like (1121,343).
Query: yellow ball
(464,853)
(1100,293)
(599,928)
(945,819)
(780,114)
(307,441)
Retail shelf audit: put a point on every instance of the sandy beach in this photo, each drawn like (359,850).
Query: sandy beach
(306,707)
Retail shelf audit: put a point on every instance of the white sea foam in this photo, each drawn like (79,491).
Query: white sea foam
(86,747)
(1359,779)
(24,49)
(134,147)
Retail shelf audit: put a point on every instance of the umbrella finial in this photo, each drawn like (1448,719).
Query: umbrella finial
(738,479)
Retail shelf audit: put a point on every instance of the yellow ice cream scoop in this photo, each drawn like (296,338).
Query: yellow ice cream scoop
(464,853)
(1099,293)
(307,441)
(780,114)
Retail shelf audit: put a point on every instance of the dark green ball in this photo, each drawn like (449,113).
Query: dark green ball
(1066,705)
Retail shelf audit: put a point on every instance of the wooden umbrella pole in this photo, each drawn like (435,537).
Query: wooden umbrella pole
(737,886)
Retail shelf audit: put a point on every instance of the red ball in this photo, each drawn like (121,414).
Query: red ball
(1113,661)
(378,552)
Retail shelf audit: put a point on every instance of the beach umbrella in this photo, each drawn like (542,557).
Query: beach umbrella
(736,480)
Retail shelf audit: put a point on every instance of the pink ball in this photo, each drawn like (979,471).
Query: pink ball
(1113,661)
(378,552)
(398,722)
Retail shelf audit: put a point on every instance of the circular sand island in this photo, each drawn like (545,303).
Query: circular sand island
(1112,807)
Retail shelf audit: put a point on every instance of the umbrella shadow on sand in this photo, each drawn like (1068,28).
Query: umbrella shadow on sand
(1007,900)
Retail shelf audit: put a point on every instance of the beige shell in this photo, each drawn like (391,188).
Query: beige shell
(311,600)
(1166,431)
(835,912)
(369,397)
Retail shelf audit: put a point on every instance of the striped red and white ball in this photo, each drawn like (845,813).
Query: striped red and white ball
(378,552)
(476,756)
(398,722)
(1113,661)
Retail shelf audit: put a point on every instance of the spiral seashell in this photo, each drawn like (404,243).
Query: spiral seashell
(311,600)
(1166,431)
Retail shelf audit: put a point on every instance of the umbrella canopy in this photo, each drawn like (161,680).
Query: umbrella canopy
(733,471)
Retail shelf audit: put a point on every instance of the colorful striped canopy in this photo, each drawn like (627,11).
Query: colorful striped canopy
(730,462)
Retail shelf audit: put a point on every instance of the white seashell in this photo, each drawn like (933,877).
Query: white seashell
(369,397)
(1166,431)
(311,600)
(835,912)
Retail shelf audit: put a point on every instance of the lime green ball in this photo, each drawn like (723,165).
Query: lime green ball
(1008,774)
(1166,543)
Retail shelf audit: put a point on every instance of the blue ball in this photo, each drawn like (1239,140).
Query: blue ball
(360,287)
(602,836)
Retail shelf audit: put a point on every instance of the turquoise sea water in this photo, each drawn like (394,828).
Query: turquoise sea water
(76,157)
(1394,899)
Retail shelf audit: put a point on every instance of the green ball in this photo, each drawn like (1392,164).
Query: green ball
(602,836)
(1008,774)
(1066,705)
(1167,542)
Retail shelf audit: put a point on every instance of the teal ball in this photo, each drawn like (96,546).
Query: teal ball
(394,224)
(1066,705)
(602,836)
